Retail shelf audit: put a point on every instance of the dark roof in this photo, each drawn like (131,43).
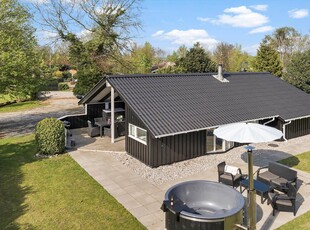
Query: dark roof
(172,104)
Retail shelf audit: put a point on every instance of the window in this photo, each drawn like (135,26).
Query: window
(137,133)
(215,144)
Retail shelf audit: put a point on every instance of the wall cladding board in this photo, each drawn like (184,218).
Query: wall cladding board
(135,148)
(176,148)
(298,128)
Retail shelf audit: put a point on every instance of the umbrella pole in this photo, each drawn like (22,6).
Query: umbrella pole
(251,193)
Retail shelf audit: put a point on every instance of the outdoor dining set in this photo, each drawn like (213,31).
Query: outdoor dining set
(275,183)
(102,127)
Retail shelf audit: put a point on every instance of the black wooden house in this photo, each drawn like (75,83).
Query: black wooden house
(170,118)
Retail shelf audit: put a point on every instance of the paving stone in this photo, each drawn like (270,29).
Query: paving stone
(143,196)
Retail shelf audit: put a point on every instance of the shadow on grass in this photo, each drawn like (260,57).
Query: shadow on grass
(261,157)
(290,161)
(13,156)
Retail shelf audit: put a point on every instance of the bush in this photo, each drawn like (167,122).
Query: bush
(57,74)
(50,136)
(63,86)
(66,75)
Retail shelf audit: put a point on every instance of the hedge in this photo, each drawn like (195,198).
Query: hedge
(50,136)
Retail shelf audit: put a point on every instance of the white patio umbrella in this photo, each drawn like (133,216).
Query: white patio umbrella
(248,133)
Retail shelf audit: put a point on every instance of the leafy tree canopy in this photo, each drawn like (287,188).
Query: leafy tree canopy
(298,71)
(267,60)
(287,41)
(197,60)
(19,59)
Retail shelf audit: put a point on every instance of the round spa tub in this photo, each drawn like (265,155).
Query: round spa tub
(203,205)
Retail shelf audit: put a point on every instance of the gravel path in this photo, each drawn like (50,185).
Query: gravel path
(58,104)
(264,153)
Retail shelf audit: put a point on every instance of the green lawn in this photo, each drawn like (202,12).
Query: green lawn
(301,162)
(53,193)
(21,106)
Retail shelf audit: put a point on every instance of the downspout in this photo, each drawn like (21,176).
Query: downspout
(269,121)
(283,128)
(85,107)
(112,116)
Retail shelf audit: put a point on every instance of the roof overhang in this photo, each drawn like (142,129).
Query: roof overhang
(210,127)
(297,118)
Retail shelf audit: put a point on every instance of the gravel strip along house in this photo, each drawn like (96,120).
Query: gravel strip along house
(170,118)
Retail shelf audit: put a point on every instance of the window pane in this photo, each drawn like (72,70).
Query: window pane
(141,134)
(131,130)
(210,141)
(219,144)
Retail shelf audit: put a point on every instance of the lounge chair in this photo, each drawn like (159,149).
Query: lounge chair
(93,131)
(283,202)
(229,175)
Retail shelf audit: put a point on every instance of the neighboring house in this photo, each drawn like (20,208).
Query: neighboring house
(171,118)
(162,65)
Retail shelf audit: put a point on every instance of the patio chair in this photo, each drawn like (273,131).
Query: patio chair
(229,175)
(93,131)
(98,119)
(283,202)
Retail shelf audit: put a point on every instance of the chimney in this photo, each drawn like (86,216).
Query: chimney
(220,72)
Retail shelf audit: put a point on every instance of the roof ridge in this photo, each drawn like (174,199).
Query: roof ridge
(160,75)
(183,74)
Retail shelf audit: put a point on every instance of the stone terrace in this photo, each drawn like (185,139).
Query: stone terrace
(141,189)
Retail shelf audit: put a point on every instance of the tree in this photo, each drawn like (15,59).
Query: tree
(19,59)
(103,25)
(144,58)
(197,60)
(298,71)
(98,32)
(267,60)
(287,41)
(176,55)
(239,60)
(222,55)
(87,78)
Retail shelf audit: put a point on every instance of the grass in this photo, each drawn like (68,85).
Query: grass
(301,162)
(301,222)
(21,106)
(53,193)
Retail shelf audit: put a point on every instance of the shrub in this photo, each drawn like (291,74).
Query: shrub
(57,74)
(50,136)
(66,75)
(63,86)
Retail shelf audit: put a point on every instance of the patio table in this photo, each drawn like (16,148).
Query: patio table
(101,125)
(260,188)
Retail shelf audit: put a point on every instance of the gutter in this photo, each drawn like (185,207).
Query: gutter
(210,127)
(269,121)
(283,128)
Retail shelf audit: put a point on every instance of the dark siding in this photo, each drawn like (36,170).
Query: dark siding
(166,150)
(297,128)
(176,148)
(93,110)
(77,121)
(133,147)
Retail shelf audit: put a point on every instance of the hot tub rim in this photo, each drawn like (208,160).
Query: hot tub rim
(201,218)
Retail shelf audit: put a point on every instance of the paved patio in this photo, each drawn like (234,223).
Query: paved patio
(143,199)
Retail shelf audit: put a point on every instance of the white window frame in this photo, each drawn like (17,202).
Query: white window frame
(134,134)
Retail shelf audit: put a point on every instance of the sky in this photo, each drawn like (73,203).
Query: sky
(168,24)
